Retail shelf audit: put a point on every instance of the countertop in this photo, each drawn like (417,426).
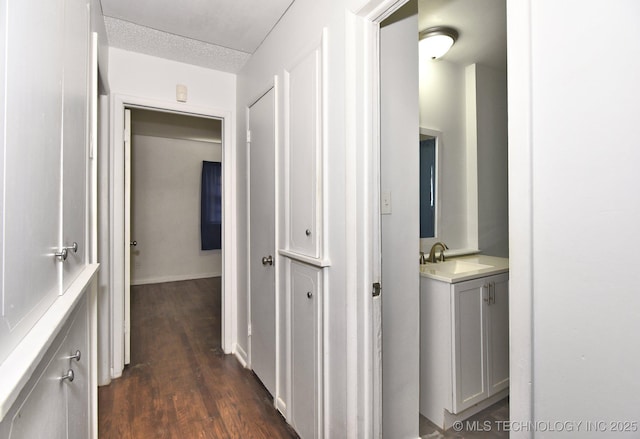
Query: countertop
(464,268)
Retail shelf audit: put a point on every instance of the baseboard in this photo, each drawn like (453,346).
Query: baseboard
(450,418)
(281,406)
(241,355)
(174,278)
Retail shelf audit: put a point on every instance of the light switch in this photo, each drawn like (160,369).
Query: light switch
(385,203)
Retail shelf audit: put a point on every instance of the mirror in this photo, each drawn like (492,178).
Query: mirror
(429,185)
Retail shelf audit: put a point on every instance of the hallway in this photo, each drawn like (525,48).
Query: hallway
(180,384)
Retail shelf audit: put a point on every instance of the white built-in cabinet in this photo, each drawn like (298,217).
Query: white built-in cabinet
(46,61)
(306,352)
(464,346)
(47,297)
(53,403)
(303,247)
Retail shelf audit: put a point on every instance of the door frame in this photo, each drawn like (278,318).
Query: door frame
(116,216)
(363,110)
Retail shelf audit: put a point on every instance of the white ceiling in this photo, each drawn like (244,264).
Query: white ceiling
(219,34)
(482,25)
(222,34)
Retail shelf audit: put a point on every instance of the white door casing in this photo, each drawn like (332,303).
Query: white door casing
(262,251)
(127,236)
(120,246)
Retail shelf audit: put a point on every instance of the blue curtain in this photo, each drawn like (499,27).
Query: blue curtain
(211,206)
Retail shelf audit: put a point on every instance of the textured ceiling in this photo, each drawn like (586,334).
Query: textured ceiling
(482,25)
(218,34)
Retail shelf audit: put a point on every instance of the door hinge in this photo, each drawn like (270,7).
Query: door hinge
(377,289)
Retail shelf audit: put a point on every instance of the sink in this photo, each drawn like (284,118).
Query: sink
(456,266)
(463,268)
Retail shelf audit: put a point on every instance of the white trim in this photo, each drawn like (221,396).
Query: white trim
(241,355)
(281,406)
(316,262)
(174,278)
(229,238)
(520,213)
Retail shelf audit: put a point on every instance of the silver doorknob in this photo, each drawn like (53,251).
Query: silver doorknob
(267,260)
(309,294)
(69,376)
(133,243)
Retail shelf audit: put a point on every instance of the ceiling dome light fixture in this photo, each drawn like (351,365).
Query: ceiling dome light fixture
(436,41)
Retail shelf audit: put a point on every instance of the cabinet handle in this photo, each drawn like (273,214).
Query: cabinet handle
(309,294)
(267,260)
(73,247)
(64,251)
(75,356)
(486,297)
(69,376)
(492,293)
(307,232)
(62,254)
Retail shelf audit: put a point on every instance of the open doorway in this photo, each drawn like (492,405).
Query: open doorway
(173,212)
(462,96)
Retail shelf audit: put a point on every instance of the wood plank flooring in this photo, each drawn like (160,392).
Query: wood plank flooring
(180,384)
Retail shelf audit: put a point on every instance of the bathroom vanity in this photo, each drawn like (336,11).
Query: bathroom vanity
(464,337)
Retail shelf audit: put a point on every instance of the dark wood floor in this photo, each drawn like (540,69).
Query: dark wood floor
(180,384)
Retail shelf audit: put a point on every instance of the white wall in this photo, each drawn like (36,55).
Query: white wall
(574,157)
(152,82)
(156,78)
(442,108)
(492,161)
(165,210)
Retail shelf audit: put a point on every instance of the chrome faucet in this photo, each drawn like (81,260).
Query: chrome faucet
(432,253)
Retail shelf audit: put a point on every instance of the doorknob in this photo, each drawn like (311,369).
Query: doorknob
(133,243)
(267,260)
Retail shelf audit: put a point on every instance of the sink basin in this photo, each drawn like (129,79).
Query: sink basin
(457,266)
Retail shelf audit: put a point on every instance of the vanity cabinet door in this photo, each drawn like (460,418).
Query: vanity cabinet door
(303,122)
(305,353)
(469,385)
(498,334)
(481,339)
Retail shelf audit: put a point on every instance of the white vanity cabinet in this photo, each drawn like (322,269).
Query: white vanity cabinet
(306,344)
(480,339)
(464,346)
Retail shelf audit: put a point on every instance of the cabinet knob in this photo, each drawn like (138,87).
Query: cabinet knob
(309,294)
(307,232)
(75,356)
(133,243)
(69,376)
(267,260)
(62,254)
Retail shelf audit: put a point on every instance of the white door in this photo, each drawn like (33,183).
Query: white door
(127,236)
(262,239)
